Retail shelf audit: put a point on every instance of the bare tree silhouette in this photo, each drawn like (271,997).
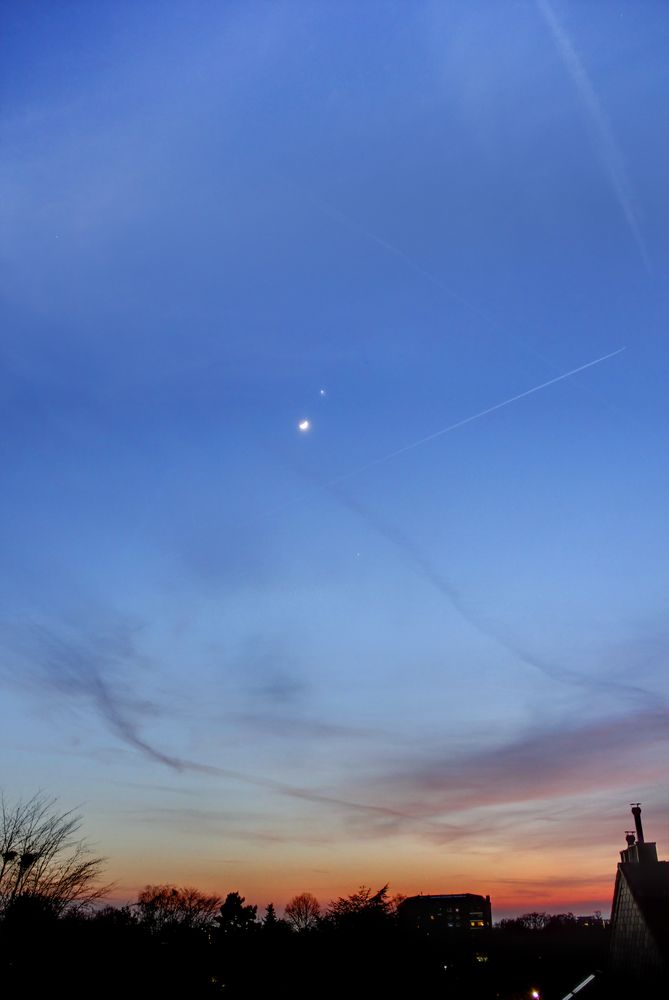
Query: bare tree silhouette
(43,861)
(303,911)
(165,907)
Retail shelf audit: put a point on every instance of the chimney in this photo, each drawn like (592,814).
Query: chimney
(637,851)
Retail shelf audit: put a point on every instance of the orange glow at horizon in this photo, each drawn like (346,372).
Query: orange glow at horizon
(543,886)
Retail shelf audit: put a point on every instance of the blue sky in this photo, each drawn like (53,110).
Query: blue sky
(263,649)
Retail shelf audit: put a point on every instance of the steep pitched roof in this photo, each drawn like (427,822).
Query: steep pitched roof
(649,885)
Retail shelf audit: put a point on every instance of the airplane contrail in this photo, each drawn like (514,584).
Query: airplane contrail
(368,234)
(607,146)
(468,420)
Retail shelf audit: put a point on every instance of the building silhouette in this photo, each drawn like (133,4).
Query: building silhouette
(439,914)
(640,913)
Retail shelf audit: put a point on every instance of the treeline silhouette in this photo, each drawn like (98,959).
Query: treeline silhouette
(180,942)
(58,938)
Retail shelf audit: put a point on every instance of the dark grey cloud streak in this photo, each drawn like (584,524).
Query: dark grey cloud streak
(89,668)
(540,764)
(86,667)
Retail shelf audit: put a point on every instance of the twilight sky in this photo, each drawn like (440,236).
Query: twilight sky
(275,661)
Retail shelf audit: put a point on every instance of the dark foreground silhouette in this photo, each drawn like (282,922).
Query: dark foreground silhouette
(181,943)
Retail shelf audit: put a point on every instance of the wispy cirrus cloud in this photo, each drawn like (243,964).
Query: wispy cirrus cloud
(543,764)
(425,792)
(92,667)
